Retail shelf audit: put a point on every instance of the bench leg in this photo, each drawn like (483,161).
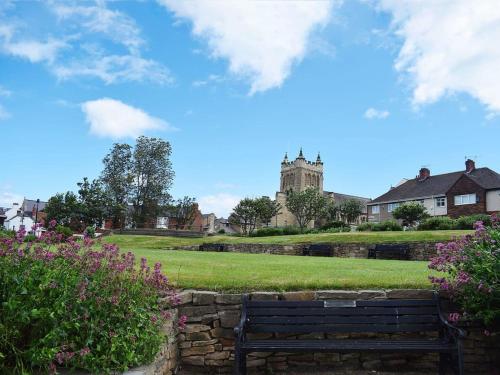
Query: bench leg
(444,361)
(460,359)
(240,365)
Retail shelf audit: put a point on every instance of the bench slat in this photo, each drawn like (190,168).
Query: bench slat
(385,319)
(359,303)
(348,311)
(342,328)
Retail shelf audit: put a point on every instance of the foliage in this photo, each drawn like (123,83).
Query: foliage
(221,231)
(4,233)
(472,265)
(245,214)
(267,231)
(387,225)
(437,223)
(410,213)
(336,224)
(152,178)
(184,211)
(117,179)
(89,232)
(290,230)
(94,202)
(267,209)
(350,210)
(307,205)
(467,222)
(70,304)
(65,232)
(65,209)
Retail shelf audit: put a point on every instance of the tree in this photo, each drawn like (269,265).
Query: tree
(306,206)
(94,202)
(65,209)
(152,178)
(350,210)
(410,213)
(117,180)
(267,209)
(184,211)
(245,214)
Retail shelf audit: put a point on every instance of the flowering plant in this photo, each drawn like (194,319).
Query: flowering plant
(77,304)
(472,267)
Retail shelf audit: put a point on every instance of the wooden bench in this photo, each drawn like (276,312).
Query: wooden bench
(343,316)
(322,250)
(389,251)
(219,247)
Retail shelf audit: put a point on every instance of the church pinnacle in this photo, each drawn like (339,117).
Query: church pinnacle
(318,159)
(301,155)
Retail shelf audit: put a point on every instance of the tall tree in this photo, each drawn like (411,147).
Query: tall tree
(350,210)
(153,176)
(66,210)
(306,205)
(93,201)
(117,178)
(267,209)
(184,211)
(245,215)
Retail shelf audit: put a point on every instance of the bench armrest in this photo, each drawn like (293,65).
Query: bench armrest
(456,332)
(239,330)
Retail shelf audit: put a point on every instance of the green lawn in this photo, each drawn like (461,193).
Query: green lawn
(160,242)
(247,272)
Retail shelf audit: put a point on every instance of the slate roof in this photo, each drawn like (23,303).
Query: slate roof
(438,185)
(30,205)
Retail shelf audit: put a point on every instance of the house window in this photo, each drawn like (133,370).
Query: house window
(392,206)
(465,199)
(375,209)
(441,202)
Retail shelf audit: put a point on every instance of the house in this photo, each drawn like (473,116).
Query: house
(24,215)
(467,192)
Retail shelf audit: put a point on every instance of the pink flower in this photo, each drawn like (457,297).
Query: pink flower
(454,317)
(84,352)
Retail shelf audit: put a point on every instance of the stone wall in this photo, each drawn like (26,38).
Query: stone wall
(207,345)
(418,250)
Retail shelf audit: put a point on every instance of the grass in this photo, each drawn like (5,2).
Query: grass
(238,272)
(161,242)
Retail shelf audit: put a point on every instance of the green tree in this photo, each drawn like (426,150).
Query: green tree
(350,210)
(94,202)
(152,178)
(184,211)
(410,213)
(66,209)
(246,215)
(117,179)
(266,209)
(306,206)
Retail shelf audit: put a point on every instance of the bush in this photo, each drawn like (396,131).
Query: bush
(290,231)
(29,238)
(467,222)
(74,305)
(471,266)
(4,233)
(335,224)
(221,231)
(437,223)
(89,232)
(267,231)
(387,225)
(65,232)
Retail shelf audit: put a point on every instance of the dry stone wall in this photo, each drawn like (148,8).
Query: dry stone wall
(207,345)
(418,250)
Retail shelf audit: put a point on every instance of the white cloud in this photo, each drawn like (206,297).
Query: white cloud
(5,92)
(372,113)
(7,197)
(261,39)
(4,115)
(35,51)
(450,46)
(113,118)
(221,204)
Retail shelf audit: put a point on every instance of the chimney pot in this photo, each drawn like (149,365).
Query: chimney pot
(424,173)
(470,165)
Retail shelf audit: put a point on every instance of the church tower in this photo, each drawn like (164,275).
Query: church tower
(300,174)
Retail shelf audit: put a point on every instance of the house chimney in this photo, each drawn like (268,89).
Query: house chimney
(469,166)
(423,174)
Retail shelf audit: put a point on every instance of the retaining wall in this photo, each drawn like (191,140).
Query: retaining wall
(207,345)
(418,250)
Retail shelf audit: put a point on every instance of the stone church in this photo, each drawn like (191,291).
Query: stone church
(298,175)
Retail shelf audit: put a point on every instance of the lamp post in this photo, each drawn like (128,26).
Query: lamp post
(36,213)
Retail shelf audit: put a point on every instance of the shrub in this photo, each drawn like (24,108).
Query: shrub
(410,212)
(471,266)
(221,231)
(5,233)
(65,232)
(365,227)
(467,222)
(267,231)
(71,304)
(288,231)
(437,223)
(335,224)
(29,238)
(89,232)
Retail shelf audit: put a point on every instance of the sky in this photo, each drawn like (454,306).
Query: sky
(380,87)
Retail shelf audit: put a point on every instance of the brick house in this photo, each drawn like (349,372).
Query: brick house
(470,191)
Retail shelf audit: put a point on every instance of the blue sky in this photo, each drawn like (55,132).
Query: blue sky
(380,88)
